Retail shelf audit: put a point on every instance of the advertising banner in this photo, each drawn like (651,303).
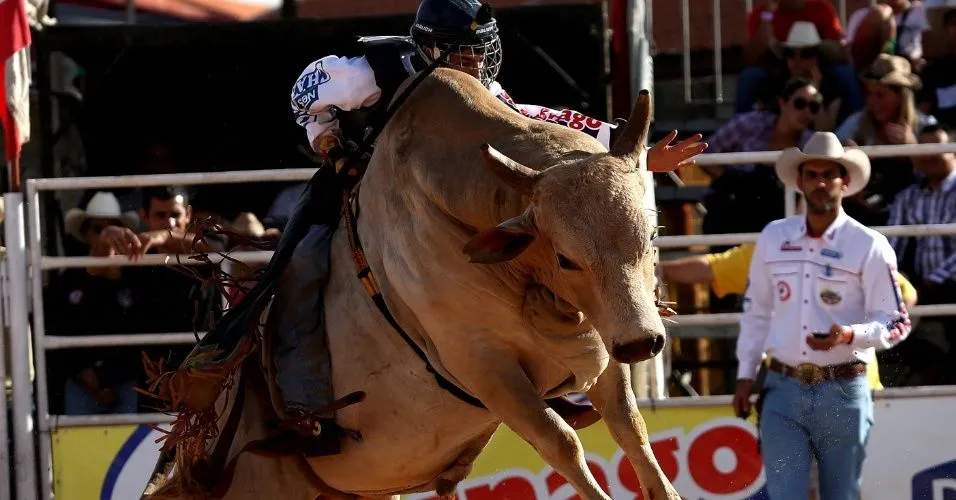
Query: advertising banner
(706,452)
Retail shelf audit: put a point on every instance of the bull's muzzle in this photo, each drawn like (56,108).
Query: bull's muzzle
(638,350)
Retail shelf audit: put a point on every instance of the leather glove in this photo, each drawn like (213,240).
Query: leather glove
(349,162)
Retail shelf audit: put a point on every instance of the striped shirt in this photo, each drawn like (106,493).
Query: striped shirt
(934,256)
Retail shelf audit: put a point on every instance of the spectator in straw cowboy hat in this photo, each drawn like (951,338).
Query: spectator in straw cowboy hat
(822,298)
(888,117)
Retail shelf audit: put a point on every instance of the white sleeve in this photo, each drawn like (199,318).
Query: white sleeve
(758,309)
(887,323)
(344,82)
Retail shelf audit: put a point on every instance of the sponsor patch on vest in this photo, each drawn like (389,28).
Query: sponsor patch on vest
(826,252)
(783,291)
(788,247)
(830,297)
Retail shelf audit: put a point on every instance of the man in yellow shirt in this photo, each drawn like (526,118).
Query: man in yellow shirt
(726,272)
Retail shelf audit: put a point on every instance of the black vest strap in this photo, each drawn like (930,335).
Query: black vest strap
(393,59)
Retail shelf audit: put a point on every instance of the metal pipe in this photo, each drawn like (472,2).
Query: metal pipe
(130,11)
(652,371)
(191,179)
(39,332)
(718,55)
(127,339)
(685,36)
(943,391)
(60,421)
(303,174)
(258,257)
(841,6)
(729,319)
(770,157)
(890,393)
(689,240)
(4,432)
(666,242)
(24,447)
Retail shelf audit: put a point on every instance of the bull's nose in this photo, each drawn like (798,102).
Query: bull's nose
(638,350)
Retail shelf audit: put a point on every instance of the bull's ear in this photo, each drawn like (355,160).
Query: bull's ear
(500,243)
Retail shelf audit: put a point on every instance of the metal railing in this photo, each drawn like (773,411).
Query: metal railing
(717,42)
(4,330)
(17,262)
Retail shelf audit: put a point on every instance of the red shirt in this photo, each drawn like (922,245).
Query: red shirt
(819,12)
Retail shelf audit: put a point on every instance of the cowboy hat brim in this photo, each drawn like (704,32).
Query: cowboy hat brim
(898,79)
(829,49)
(856,162)
(75,217)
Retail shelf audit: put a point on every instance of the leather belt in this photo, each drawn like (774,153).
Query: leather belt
(811,374)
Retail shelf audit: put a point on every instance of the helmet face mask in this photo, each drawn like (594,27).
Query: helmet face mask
(463,32)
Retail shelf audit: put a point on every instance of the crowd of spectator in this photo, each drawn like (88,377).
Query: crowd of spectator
(140,299)
(880,80)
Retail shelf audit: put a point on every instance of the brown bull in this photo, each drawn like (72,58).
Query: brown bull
(558,298)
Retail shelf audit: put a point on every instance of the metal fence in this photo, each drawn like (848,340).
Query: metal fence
(717,45)
(25,264)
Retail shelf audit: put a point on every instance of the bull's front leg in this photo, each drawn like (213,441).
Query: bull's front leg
(613,397)
(501,384)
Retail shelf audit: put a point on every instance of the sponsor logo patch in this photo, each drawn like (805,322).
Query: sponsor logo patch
(306,90)
(830,297)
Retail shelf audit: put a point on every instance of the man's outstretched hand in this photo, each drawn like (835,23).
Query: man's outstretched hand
(664,157)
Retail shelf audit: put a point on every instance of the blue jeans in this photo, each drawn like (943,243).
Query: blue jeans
(843,76)
(76,401)
(302,359)
(830,422)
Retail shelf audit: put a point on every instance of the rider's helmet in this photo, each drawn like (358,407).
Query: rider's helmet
(465,31)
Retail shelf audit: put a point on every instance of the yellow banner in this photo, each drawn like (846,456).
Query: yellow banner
(704,451)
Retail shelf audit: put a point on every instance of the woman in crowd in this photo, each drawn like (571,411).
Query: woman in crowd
(889,116)
(744,198)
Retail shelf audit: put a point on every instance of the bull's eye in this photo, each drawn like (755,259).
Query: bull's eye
(566,264)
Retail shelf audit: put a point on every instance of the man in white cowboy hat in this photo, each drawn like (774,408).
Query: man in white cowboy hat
(804,54)
(101,211)
(822,297)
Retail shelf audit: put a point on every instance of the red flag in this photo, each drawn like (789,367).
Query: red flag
(14,76)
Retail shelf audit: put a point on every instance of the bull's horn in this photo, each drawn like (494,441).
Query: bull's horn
(631,141)
(514,174)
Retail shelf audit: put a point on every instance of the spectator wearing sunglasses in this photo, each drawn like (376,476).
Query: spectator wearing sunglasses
(745,198)
(888,117)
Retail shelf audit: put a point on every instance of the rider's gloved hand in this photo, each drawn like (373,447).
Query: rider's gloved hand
(349,161)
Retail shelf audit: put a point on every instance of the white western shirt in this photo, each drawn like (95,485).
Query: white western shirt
(348,83)
(798,285)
